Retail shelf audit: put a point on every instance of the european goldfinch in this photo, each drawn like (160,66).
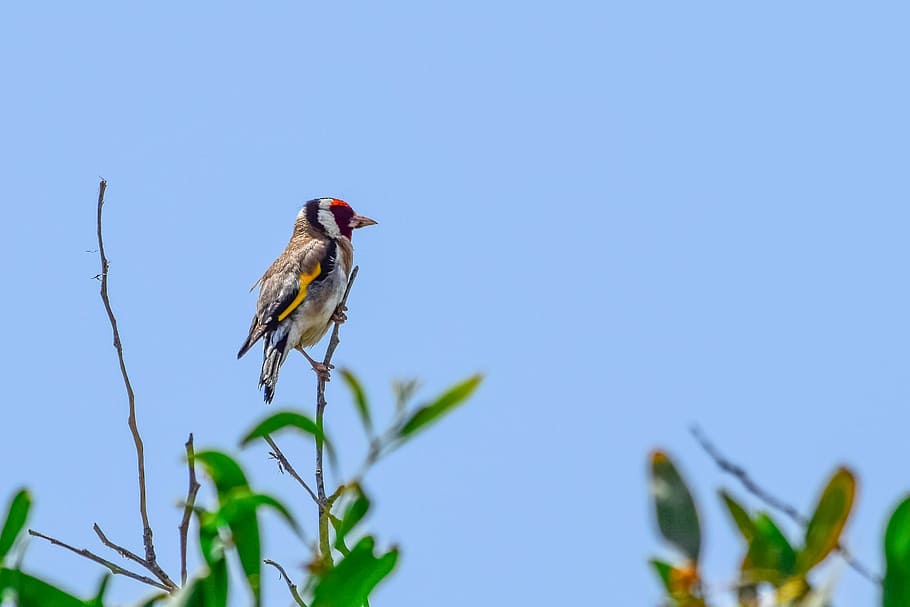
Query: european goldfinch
(300,292)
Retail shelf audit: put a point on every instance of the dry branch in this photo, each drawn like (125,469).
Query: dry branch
(150,561)
(778,504)
(113,567)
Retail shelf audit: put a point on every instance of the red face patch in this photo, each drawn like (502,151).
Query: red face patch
(343,214)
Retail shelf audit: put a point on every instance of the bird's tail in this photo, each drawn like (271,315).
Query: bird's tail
(256,331)
(273,356)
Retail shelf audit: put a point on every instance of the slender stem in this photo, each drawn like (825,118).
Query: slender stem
(291,585)
(286,465)
(325,508)
(755,489)
(118,346)
(188,507)
(324,547)
(150,561)
(129,554)
(113,567)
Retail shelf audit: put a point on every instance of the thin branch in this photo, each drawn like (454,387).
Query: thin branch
(334,340)
(124,552)
(774,502)
(751,486)
(286,465)
(188,507)
(129,554)
(113,567)
(150,557)
(324,545)
(291,585)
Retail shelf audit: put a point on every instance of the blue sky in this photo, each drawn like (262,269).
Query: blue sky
(631,216)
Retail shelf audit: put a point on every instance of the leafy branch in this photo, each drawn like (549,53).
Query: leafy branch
(354,503)
(343,571)
(771,560)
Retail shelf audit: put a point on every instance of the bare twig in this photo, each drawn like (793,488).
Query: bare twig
(286,465)
(129,554)
(188,507)
(113,567)
(324,545)
(124,552)
(291,585)
(751,486)
(778,504)
(150,561)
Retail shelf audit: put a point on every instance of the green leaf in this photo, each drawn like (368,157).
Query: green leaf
(207,590)
(360,399)
(245,535)
(230,481)
(191,595)
(32,592)
(447,401)
(16,516)
(278,421)
(241,502)
(739,515)
(896,585)
(215,586)
(210,588)
(209,542)
(98,601)
(677,517)
(828,520)
(351,581)
(771,558)
(664,572)
(224,471)
(353,514)
(288,419)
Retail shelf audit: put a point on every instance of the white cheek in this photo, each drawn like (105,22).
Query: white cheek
(327,219)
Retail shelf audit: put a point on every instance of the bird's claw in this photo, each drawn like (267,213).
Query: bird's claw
(339,315)
(323,371)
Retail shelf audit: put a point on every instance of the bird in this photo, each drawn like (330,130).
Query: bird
(300,293)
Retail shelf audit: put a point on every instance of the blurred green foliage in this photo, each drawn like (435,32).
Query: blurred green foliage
(345,578)
(772,566)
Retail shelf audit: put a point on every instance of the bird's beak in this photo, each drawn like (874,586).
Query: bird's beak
(359,221)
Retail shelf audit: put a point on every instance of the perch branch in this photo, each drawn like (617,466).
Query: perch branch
(113,567)
(778,504)
(325,549)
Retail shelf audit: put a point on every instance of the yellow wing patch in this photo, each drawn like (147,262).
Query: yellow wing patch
(305,279)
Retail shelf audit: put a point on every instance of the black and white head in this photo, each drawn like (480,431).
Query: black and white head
(331,216)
